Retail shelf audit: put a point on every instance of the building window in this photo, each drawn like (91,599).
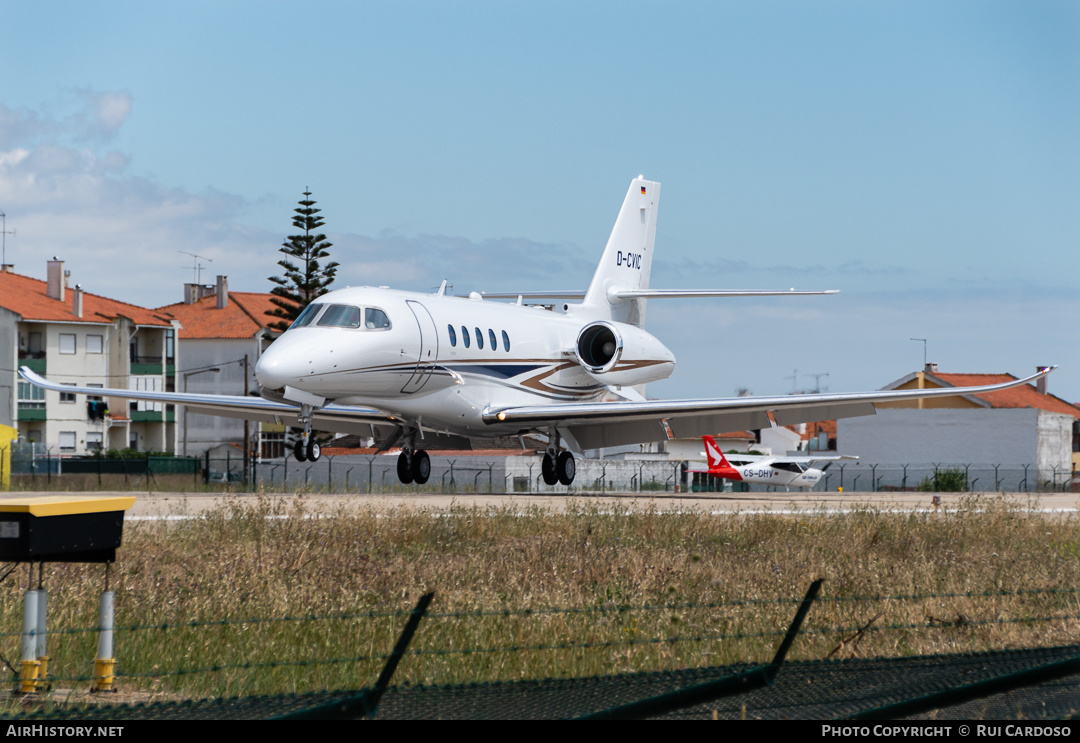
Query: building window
(67,441)
(67,396)
(94,440)
(94,397)
(30,397)
(95,344)
(67,343)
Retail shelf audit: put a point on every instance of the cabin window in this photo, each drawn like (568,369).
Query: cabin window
(453,335)
(307,316)
(375,319)
(479,339)
(340,316)
(491,337)
(465,335)
(506,342)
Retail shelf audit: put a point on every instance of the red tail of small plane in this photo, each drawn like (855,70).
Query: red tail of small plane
(718,464)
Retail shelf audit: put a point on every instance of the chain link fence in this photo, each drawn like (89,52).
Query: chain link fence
(36,467)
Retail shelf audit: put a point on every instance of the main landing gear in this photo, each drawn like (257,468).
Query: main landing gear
(557,467)
(309,451)
(413,466)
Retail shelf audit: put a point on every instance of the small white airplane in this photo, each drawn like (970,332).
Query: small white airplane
(766,469)
(364,359)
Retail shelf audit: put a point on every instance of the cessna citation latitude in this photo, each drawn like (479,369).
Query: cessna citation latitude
(364,360)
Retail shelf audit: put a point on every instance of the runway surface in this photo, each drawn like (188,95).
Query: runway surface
(187,505)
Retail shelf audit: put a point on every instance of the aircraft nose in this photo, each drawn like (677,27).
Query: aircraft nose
(278,367)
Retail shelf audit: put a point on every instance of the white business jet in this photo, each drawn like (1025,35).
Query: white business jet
(363,359)
(766,469)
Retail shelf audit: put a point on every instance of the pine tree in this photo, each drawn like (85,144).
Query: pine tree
(304,279)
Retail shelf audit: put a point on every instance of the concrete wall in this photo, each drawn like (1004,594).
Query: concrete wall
(206,431)
(943,435)
(1031,449)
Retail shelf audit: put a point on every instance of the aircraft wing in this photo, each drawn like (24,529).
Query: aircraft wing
(336,418)
(599,424)
(619,295)
(786,460)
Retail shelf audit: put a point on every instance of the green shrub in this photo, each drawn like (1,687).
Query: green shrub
(945,481)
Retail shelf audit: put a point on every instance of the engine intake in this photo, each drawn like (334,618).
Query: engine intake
(599,346)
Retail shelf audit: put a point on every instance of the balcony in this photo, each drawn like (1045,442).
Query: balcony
(35,361)
(32,411)
(152,416)
(147,365)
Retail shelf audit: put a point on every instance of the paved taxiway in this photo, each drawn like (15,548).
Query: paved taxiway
(158,505)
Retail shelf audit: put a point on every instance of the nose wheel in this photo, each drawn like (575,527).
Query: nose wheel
(306,450)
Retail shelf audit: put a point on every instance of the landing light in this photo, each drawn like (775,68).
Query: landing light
(501,416)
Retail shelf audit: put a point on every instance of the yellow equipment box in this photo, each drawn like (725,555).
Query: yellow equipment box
(62,528)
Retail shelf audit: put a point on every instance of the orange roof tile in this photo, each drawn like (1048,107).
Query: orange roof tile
(242,317)
(29,298)
(1024,396)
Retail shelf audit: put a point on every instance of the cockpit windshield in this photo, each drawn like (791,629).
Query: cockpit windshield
(375,319)
(306,317)
(340,316)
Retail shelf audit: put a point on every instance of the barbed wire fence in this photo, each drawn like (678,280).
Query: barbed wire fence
(34,467)
(232,656)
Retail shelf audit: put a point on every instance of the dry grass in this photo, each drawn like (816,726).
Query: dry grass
(250,561)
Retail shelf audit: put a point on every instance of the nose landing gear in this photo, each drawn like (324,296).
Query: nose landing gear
(306,449)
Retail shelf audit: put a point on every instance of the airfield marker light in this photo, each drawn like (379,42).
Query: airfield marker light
(105,663)
(30,667)
(42,635)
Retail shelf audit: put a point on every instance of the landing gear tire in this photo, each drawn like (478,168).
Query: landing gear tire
(404,468)
(420,467)
(565,468)
(547,470)
(300,451)
(313,451)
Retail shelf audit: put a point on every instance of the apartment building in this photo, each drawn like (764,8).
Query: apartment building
(82,339)
(223,333)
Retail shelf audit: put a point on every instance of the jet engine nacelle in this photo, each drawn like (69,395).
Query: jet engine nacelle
(619,354)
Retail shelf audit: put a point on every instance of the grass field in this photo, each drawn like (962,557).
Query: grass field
(258,597)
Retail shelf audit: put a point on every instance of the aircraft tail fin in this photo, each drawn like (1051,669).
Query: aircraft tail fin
(717,460)
(627,260)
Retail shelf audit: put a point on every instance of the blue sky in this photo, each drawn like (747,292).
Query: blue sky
(922,157)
